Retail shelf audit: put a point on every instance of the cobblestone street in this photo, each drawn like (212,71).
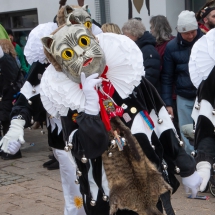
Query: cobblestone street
(26,188)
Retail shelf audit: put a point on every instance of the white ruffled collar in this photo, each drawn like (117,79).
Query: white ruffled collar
(202,58)
(125,69)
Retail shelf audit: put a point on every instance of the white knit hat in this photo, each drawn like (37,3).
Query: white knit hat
(186,21)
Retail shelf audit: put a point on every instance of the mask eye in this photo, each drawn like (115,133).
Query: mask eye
(67,54)
(88,24)
(84,41)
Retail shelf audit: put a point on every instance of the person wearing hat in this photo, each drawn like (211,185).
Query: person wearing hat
(206,17)
(176,73)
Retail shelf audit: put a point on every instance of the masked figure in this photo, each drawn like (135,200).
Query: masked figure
(29,108)
(113,149)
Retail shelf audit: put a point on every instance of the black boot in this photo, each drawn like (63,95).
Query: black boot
(48,163)
(6,156)
(53,166)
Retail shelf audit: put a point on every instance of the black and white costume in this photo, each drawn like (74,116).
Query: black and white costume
(86,131)
(202,73)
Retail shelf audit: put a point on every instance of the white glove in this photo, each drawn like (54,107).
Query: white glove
(92,99)
(13,138)
(204,170)
(192,183)
(1,52)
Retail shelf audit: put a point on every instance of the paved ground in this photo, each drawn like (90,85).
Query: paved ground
(26,188)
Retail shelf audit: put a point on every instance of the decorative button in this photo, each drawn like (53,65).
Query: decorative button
(133,110)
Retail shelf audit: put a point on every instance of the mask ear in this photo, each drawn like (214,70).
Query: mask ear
(72,20)
(47,42)
(67,10)
(85,7)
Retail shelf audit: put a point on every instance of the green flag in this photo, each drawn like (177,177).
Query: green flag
(3,33)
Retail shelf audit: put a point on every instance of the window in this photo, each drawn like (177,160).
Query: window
(21,23)
(194,5)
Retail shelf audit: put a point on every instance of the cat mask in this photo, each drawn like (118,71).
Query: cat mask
(75,50)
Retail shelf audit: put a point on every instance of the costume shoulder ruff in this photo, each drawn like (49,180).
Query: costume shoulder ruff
(59,94)
(125,70)
(34,47)
(124,60)
(202,58)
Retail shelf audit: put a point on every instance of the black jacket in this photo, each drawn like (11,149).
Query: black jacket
(8,75)
(175,69)
(151,59)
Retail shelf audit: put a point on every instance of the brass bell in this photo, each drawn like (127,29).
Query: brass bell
(160,121)
(153,147)
(76,181)
(29,102)
(92,202)
(197,106)
(84,159)
(213,112)
(66,148)
(193,154)
(164,166)
(113,142)
(177,169)
(78,173)
(70,145)
(110,154)
(181,143)
(105,198)
(32,121)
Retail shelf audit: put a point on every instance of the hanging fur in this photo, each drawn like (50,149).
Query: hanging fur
(135,183)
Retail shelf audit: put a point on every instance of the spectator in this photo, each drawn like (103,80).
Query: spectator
(161,30)
(19,52)
(136,31)
(111,28)
(176,72)
(9,73)
(206,17)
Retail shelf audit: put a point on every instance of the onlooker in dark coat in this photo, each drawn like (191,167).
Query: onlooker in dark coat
(161,30)
(136,31)
(176,73)
(8,76)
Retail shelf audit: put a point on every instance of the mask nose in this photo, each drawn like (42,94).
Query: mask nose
(79,51)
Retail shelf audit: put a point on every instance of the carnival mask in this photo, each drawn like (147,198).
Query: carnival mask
(80,15)
(76,50)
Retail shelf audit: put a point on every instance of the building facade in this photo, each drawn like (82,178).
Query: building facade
(23,15)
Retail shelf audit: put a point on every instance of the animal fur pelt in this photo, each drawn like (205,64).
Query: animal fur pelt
(135,183)
(7,47)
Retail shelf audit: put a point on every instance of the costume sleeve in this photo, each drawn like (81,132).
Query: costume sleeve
(29,103)
(152,65)
(167,77)
(204,140)
(174,153)
(90,139)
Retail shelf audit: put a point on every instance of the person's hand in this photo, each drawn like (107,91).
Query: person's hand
(204,170)
(1,52)
(170,111)
(192,183)
(91,95)
(14,136)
